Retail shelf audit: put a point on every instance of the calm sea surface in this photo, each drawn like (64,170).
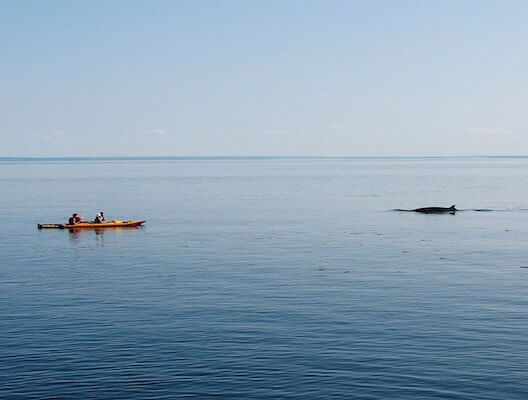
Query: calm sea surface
(265,278)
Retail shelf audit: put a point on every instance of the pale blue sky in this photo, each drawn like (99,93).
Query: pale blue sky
(344,78)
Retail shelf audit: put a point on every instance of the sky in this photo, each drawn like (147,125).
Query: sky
(254,78)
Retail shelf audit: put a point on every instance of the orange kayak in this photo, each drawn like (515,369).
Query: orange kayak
(93,225)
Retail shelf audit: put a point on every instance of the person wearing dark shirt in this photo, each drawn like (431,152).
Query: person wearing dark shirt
(75,219)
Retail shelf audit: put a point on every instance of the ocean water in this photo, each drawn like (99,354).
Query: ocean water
(265,278)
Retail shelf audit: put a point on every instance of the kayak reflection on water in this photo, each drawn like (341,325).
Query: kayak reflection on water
(85,236)
(80,236)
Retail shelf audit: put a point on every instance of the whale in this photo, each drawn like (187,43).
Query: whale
(436,210)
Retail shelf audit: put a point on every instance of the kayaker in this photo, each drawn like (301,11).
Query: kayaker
(75,219)
(99,217)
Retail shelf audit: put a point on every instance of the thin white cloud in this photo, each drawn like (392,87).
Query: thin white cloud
(491,132)
(336,128)
(155,132)
(55,137)
(275,132)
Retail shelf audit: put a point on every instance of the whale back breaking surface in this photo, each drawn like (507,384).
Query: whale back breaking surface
(436,210)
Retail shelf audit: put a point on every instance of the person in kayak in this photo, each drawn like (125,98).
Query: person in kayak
(99,218)
(75,219)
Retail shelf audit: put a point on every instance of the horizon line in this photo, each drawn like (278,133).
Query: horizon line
(241,157)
